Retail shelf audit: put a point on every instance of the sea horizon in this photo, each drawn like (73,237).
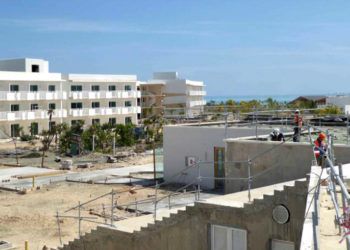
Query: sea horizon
(239,98)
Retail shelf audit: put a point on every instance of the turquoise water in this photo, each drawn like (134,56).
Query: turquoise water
(238,98)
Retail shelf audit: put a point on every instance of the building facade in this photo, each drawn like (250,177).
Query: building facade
(174,97)
(28,91)
(342,101)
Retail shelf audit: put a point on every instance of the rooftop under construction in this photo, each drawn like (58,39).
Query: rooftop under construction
(224,176)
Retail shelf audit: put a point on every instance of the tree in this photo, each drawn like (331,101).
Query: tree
(329,110)
(154,127)
(46,138)
(124,134)
(67,135)
(272,104)
(59,129)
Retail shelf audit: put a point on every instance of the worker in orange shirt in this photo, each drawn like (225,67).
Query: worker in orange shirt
(320,148)
(298,124)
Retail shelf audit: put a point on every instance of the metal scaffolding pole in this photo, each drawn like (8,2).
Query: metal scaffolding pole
(249,179)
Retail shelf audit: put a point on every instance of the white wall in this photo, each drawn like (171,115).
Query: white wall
(24,65)
(339,101)
(182,141)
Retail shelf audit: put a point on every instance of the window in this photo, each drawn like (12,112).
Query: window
(127,87)
(112,121)
(52,106)
(128,120)
(76,88)
(95,105)
(138,102)
(228,238)
(52,125)
(35,68)
(33,88)
(112,104)
(52,88)
(95,88)
(76,105)
(95,121)
(14,107)
(14,88)
(76,122)
(34,106)
(34,128)
(127,103)
(112,88)
(15,129)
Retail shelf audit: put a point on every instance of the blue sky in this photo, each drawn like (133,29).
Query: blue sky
(236,47)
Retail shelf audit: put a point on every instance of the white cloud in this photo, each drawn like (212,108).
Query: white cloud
(85,26)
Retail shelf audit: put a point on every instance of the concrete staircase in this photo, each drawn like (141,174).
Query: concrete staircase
(145,225)
(130,226)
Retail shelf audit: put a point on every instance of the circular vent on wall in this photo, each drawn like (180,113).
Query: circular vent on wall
(280,214)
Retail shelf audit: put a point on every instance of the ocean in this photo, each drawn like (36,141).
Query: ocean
(239,98)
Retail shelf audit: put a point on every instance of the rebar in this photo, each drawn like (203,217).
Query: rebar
(112,207)
(59,227)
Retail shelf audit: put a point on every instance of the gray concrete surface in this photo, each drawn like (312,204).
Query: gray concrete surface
(280,163)
(94,175)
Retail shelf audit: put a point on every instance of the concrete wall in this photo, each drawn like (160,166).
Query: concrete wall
(285,162)
(13,65)
(24,65)
(182,141)
(190,229)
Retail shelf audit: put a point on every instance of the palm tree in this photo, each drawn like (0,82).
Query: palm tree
(47,137)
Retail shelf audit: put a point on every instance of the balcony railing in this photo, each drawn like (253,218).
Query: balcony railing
(104,111)
(196,93)
(196,103)
(104,94)
(32,96)
(31,115)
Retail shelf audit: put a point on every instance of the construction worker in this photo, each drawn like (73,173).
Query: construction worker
(276,135)
(298,123)
(320,148)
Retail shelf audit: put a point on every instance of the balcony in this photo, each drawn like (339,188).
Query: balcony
(196,93)
(31,115)
(104,94)
(104,111)
(196,103)
(32,96)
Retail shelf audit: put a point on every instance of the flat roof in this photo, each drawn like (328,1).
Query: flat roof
(240,198)
(100,78)
(29,76)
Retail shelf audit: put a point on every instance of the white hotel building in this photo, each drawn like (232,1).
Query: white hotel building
(28,90)
(174,96)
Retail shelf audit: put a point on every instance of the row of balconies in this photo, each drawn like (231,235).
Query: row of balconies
(62,113)
(58,95)
(196,93)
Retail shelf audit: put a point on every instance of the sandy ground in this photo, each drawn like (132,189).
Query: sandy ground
(329,232)
(31,216)
(98,159)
